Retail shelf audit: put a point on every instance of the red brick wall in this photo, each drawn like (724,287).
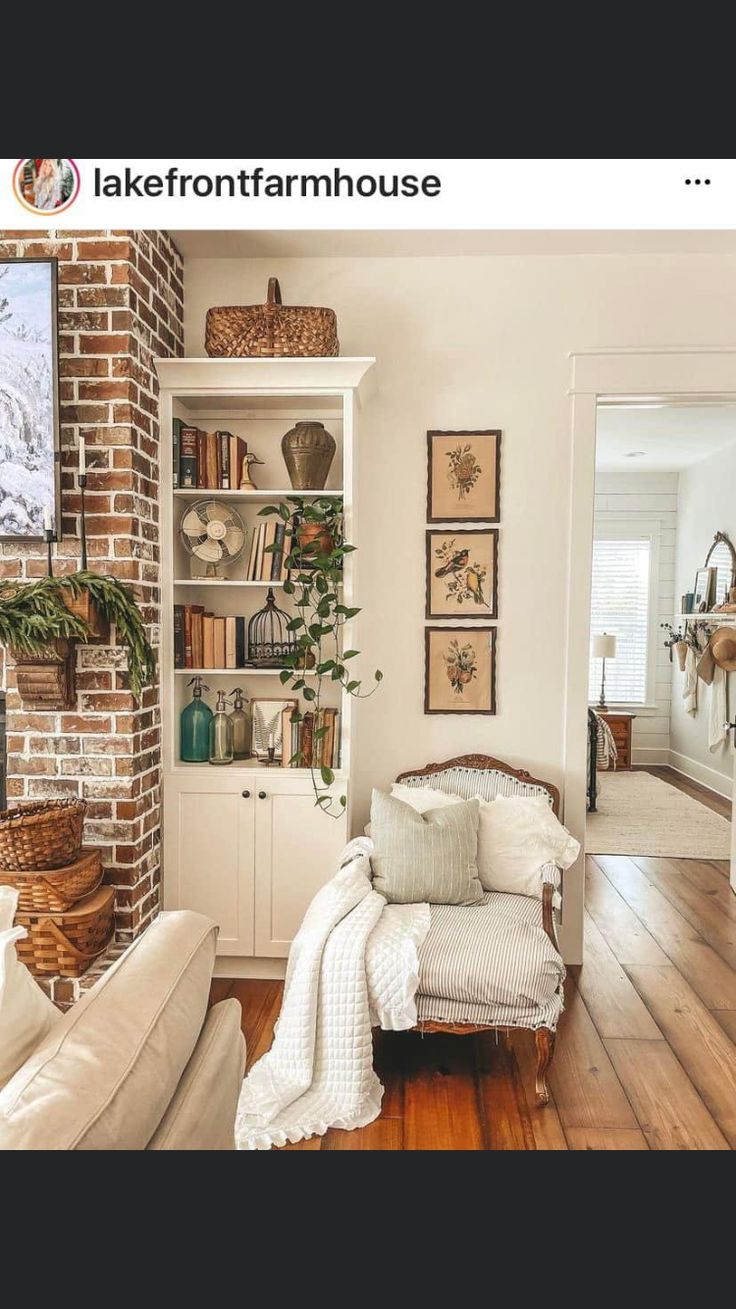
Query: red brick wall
(120,304)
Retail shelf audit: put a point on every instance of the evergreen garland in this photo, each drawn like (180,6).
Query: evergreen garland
(33,614)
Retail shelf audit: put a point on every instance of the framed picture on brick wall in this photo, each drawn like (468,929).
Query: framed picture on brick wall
(29,408)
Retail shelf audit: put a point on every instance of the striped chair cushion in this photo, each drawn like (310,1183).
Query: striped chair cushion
(492,962)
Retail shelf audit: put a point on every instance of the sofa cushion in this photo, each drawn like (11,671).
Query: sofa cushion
(103,1078)
(496,953)
(201,1115)
(517,836)
(430,856)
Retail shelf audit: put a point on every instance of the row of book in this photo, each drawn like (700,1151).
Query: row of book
(317,751)
(269,547)
(211,461)
(202,640)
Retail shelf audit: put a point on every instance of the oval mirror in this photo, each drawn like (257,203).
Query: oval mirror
(722,557)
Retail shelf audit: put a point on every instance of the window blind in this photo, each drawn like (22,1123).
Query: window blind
(620,606)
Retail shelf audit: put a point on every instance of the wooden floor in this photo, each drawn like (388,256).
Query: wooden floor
(646,1047)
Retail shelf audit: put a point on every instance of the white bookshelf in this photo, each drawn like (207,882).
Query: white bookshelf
(244,842)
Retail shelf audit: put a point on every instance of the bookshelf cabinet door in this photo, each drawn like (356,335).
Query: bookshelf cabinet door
(297,848)
(209,856)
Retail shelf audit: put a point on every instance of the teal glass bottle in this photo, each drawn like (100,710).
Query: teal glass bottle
(194,745)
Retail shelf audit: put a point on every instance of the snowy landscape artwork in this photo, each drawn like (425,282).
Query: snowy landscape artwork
(28,434)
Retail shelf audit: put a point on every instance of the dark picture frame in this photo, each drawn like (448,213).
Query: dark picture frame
(48,351)
(490,610)
(453,703)
(478,499)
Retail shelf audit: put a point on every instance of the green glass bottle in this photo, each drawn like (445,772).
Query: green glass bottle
(194,745)
(241,725)
(221,733)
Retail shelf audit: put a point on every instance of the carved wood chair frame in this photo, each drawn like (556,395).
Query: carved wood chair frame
(544,1037)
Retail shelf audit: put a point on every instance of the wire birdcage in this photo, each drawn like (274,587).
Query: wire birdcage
(269,642)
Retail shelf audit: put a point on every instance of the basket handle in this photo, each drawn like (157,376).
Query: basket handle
(64,941)
(274,291)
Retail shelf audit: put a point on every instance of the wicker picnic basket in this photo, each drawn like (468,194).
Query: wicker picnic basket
(43,834)
(55,889)
(68,943)
(272,329)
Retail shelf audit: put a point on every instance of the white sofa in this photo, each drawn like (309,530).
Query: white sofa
(140,1062)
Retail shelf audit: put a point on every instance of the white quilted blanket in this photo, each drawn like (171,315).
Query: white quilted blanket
(353,964)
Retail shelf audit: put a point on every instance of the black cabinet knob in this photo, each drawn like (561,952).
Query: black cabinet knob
(246,795)
(261,795)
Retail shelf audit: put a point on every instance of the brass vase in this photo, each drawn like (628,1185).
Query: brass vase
(308,450)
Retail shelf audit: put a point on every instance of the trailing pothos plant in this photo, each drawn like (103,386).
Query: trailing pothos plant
(315,563)
(33,614)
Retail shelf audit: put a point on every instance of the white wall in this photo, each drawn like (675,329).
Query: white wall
(633,499)
(481,341)
(706,505)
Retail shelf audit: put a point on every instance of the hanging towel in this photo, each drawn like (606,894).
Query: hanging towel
(690,683)
(706,666)
(717,713)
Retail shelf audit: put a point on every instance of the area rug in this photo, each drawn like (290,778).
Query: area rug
(641,814)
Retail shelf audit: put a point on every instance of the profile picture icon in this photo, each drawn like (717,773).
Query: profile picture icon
(46,185)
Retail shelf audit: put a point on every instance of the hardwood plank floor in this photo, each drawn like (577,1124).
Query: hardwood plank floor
(646,1048)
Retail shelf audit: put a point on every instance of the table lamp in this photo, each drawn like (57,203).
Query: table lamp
(604,647)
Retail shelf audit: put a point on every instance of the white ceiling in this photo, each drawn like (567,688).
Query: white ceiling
(670,437)
(303,244)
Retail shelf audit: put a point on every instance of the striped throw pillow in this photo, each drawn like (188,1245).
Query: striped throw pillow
(431,856)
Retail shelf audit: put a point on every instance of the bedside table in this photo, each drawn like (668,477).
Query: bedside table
(620,724)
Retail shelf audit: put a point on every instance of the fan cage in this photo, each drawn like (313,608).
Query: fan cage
(269,641)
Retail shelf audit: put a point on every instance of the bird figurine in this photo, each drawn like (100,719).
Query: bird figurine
(246,481)
(458,561)
(473,583)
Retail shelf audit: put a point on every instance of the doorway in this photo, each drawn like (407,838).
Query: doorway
(667,376)
(663,607)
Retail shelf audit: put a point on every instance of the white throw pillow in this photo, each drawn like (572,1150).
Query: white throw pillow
(26,1014)
(422,798)
(517,835)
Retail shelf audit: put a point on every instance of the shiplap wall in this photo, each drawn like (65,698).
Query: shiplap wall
(638,498)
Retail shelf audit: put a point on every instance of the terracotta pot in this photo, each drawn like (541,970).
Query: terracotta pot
(308,450)
(309,533)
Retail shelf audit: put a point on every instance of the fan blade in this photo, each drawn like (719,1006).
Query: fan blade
(234,540)
(210,551)
(192,523)
(217,513)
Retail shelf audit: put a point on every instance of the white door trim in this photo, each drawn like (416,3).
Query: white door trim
(668,373)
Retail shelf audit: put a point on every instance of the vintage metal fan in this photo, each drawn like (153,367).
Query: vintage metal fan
(214,534)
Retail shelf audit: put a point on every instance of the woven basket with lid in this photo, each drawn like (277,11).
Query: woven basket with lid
(55,889)
(271,330)
(68,943)
(43,834)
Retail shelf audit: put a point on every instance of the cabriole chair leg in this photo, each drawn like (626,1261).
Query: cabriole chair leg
(545,1041)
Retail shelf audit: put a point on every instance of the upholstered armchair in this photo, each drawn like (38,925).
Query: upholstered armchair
(494,966)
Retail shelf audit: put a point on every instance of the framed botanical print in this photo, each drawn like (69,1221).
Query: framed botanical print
(462,571)
(460,670)
(29,418)
(463,477)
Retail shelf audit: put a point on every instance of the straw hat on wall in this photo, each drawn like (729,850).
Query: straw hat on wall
(723,648)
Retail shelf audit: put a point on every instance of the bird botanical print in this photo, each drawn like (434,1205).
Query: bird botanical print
(465,579)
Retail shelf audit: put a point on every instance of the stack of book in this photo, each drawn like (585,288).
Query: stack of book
(211,461)
(323,752)
(264,564)
(202,640)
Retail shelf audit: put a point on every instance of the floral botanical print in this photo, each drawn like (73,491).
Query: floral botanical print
(464,470)
(461,665)
(465,577)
